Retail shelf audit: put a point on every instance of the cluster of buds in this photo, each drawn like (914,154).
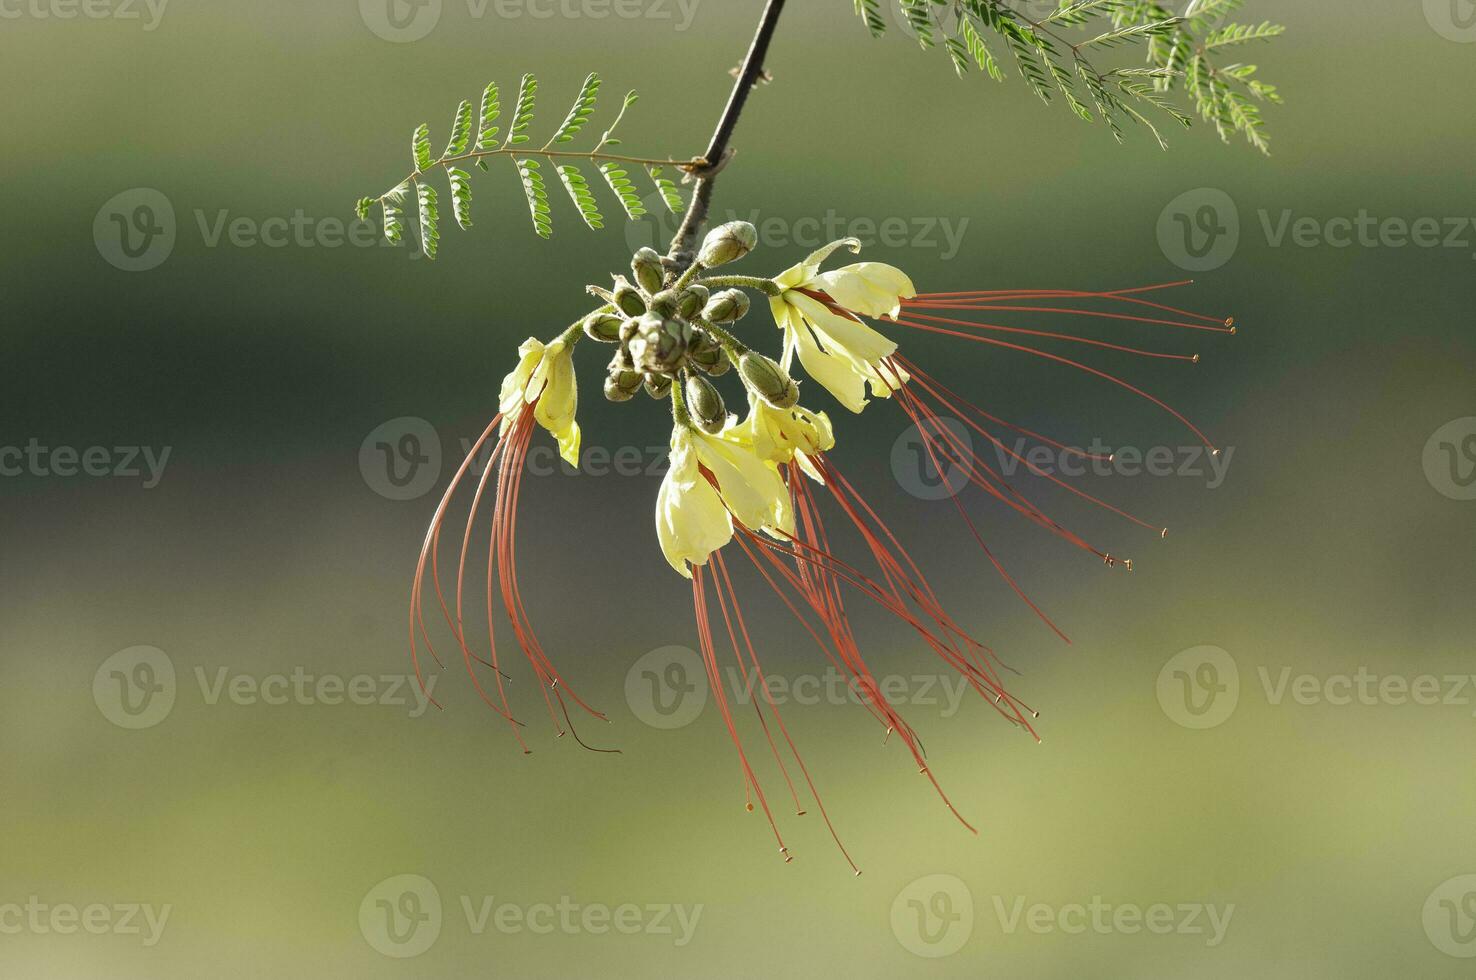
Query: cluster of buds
(668,325)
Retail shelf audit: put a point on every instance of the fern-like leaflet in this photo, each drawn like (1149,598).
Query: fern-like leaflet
(1179,49)
(474,140)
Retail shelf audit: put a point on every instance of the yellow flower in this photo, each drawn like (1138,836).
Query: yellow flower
(544,378)
(841,352)
(694,517)
(783,434)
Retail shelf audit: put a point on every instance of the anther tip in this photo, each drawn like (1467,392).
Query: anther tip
(800,813)
(1195,359)
(748,807)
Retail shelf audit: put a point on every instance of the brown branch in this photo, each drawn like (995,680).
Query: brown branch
(683,244)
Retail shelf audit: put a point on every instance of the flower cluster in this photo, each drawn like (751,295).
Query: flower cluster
(674,335)
(754,480)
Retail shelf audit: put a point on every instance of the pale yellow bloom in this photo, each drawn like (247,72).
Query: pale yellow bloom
(841,352)
(544,378)
(694,518)
(780,435)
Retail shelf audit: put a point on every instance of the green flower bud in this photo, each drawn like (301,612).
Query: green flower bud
(622,381)
(665,303)
(706,354)
(616,391)
(726,243)
(658,386)
(604,327)
(649,273)
(692,300)
(727,306)
(768,380)
(628,298)
(705,404)
(660,343)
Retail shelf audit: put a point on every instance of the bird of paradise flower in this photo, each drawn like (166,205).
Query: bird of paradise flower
(757,482)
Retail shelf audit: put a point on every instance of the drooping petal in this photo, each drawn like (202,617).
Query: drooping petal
(868,288)
(841,353)
(751,488)
(513,393)
(558,398)
(842,334)
(778,434)
(836,374)
(691,521)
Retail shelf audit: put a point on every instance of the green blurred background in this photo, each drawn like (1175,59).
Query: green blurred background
(1334,830)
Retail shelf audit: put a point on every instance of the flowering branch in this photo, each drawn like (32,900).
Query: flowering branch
(682,244)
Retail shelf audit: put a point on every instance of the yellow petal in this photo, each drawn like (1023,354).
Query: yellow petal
(841,334)
(802,274)
(553,384)
(751,487)
(512,395)
(835,373)
(868,288)
(691,521)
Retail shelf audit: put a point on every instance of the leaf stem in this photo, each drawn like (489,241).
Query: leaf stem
(475,155)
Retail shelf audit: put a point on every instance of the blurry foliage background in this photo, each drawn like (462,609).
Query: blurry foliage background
(263,549)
